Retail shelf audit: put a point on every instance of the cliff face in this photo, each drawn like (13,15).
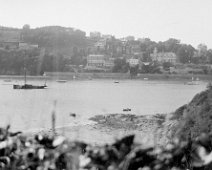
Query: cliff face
(194,118)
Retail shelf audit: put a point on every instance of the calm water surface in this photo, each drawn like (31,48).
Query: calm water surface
(31,109)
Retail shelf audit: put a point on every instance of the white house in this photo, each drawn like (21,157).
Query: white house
(133,62)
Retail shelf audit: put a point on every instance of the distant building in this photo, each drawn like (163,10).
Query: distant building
(100,45)
(146,63)
(138,55)
(123,41)
(141,39)
(9,45)
(95,34)
(9,34)
(26,46)
(106,36)
(162,57)
(201,48)
(130,38)
(133,62)
(136,49)
(9,38)
(99,62)
(109,63)
(95,60)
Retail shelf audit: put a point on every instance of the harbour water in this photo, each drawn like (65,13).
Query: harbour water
(30,110)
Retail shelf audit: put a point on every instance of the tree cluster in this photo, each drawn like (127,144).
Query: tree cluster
(14,62)
(55,38)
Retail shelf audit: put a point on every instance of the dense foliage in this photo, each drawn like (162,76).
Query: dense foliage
(121,65)
(13,62)
(55,38)
(196,117)
(51,152)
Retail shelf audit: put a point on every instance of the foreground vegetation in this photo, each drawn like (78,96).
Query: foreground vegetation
(195,117)
(52,152)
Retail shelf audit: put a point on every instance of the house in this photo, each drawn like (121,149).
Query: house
(136,49)
(100,45)
(107,36)
(26,46)
(109,63)
(146,63)
(95,60)
(9,38)
(133,62)
(9,44)
(9,34)
(95,35)
(163,57)
(99,62)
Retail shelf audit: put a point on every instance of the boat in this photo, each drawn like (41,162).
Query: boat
(61,81)
(28,86)
(7,80)
(127,110)
(116,81)
(193,82)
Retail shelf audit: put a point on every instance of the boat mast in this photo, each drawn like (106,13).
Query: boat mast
(44,74)
(24,75)
(25,68)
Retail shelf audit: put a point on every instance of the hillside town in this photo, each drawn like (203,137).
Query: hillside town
(60,49)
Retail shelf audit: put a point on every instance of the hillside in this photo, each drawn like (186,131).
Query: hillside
(195,117)
(55,39)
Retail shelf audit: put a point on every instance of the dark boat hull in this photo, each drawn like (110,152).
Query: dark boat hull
(28,86)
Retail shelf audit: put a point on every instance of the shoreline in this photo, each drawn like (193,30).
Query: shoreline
(148,129)
(112,76)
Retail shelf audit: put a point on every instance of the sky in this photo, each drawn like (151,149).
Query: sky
(187,20)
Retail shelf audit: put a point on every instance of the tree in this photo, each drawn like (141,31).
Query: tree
(26,27)
(77,57)
(134,71)
(209,55)
(120,65)
(202,48)
(202,53)
(167,65)
(171,45)
(185,53)
(55,39)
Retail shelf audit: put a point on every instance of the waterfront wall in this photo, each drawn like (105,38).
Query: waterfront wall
(69,75)
(177,77)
